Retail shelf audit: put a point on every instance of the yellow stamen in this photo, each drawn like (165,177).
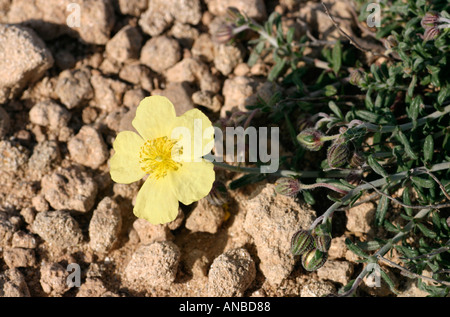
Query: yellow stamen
(156,157)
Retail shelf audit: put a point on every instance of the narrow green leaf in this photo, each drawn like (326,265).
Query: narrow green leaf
(382,208)
(428,148)
(255,53)
(337,57)
(404,140)
(388,281)
(332,105)
(290,35)
(426,231)
(276,70)
(330,90)
(377,168)
(355,249)
(422,182)
(308,197)
(412,85)
(407,200)
(443,94)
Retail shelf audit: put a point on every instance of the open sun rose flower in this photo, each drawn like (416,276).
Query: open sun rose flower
(170,150)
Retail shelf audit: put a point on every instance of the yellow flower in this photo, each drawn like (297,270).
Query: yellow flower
(169,149)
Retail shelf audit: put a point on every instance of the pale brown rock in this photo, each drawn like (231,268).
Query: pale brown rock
(19,257)
(336,271)
(69,189)
(271,220)
(205,217)
(49,114)
(360,218)
(125,45)
(13,284)
(231,273)
(24,58)
(255,9)
(24,240)
(160,53)
(153,265)
(88,148)
(54,279)
(108,92)
(73,87)
(105,226)
(179,94)
(149,233)
(58,229)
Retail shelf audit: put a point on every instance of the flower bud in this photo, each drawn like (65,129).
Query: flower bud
(218,195)
(337,154)
(357,160)
(314,259)
(430,19)
(431,33)
(322,242)
(223,34)
(311,139)
(357,78)
(354,178)
(287,186)
(301,242)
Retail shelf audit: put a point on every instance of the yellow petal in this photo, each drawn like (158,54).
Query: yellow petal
(156,201)
(124,165)
(192,181)
(154,117)
(195,134)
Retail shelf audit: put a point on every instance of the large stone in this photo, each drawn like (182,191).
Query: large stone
(272,220)
(13,284)
(73,87)
(153,265)
(125,45)
(105,226)
(89,20)
(160,53)
(24,58)
(69,189)
(255,9)
(231,274)
(88,148)
(58,228)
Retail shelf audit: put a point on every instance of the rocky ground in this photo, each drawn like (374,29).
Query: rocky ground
(66,92)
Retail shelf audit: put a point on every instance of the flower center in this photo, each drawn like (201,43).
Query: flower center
(157,156)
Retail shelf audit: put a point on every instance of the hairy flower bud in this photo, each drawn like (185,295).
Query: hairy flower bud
(218,195)
(323,242)
(357,78)
(314,259)
(311,139)
(357,160)
(287,186)
(301,242)
(223,34)
(430,19)
(431,33)
(337,154)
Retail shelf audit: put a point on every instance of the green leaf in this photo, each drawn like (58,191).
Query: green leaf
(382,208)
(332,105)
(308,197)
(337,57)
(355,249)
(290,35)
(407,200)
(330,90)
(388,281)
(255,53)
(404,140)
(428,148)
(377,168)
(412,85)
(276,70)
(443,94)
(422,182)
(414,109)
(427,232)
